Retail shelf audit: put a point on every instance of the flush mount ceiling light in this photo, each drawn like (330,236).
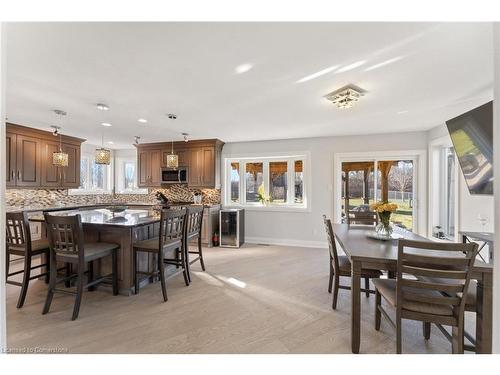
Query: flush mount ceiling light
(102,107)
(346,96)
(59,158)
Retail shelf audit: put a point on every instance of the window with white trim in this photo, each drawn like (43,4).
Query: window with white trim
(126,176)
(266,182)
(94,178)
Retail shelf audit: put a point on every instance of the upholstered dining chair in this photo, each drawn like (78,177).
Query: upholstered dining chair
(171,239)
(67,245)
(19,243)
(340,266)
(441,300)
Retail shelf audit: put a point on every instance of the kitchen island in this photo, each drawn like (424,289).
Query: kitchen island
(100,224)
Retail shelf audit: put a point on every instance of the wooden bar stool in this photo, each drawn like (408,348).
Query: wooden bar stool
(193,232)
(19,243)
(67,245)
(171,238)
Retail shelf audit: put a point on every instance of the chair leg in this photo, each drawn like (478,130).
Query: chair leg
(457,341)
(7,264)
(47,266)
(335,292)
(367,286)
(330,282)
(398,333)
(25,282)
(184,265)
(177,255)
(79,292)
(67,283)
(52,282)
(426,327)
(186,259)
(378,314)
(91,276)
(202,263)
(161,270)
(136,278)
(114,260)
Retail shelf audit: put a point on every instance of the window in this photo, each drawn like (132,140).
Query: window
(126,176)
(94,178)
(266,182)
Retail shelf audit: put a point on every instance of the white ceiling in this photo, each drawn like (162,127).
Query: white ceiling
(149,69)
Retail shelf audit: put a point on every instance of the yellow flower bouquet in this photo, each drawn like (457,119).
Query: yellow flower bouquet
(384,211)
(261,195)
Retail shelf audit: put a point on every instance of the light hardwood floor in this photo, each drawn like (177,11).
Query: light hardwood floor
(257,299)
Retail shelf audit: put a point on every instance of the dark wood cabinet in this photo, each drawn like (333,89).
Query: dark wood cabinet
(202,157)
(10,148)
(29,159)
(149,163)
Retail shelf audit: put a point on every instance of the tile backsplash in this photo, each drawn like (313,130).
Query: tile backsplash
(18,198)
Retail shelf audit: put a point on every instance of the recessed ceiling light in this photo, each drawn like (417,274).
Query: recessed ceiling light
(243,68)
(351,66)
(105,124)
(383,63)
(318,74)
(102,107)
(111,142)
(402,112)
(142,120)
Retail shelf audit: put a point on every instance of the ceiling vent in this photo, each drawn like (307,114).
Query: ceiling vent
(346,96)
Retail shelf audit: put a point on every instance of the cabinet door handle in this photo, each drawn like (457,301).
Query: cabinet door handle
(12,173)
(19,174)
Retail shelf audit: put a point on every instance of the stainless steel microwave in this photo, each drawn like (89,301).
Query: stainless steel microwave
(174,176)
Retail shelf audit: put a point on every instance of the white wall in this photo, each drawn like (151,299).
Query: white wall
(470,206)
(306,228)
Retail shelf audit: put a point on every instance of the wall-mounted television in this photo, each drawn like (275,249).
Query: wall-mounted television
(472,137)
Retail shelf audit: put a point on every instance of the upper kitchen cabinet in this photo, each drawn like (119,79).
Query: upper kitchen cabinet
(201,157)
(29,159)
(149,163)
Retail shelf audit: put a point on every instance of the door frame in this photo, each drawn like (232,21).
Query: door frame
(419,158)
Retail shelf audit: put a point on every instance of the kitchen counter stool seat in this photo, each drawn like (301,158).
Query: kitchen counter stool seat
(67,245)
(19,243)
(171,238)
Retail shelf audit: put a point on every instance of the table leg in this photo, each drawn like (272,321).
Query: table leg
(484,312)
(355,305)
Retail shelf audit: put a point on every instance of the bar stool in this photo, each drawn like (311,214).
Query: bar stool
(193,231)
(171,238)
(67,245)
(18,241)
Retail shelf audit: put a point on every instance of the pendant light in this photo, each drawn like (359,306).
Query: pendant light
(102,155)
(59,158)
(172,159)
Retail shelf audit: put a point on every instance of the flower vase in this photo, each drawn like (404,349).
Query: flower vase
(384,227)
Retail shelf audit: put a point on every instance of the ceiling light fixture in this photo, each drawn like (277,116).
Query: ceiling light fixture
(102,155)
(383,63)
(351,66)
(185,135)
(102,107)
(172,159)
(142,120)
(243,68)
(59,158)
(106,124)
(346,96)
(317,74)
(402,112)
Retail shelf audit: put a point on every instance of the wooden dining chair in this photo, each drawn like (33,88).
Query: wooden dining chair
(362,217)
(440,301)
(19,243)
(194,221)
(171,239)
(67,245)
(341,266)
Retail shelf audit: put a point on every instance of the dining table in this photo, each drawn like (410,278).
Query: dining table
(366,252)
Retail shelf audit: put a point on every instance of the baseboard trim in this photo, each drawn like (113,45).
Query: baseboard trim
(286,242)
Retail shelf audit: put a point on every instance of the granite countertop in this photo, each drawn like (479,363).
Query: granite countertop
(102,216)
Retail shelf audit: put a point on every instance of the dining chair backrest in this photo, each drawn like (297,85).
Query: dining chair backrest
(439,267)
(172,225)
(362,217)
(194,221)
(332,246)
(65,234)
(18,230)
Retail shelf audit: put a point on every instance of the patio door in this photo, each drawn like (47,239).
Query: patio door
(367,181)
